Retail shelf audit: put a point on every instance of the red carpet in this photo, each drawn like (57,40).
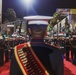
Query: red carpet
(4,70)
(69,68)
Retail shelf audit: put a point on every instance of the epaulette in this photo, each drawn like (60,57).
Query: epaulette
(53,46)
(28,61)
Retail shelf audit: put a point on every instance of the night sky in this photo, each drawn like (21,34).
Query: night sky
(40,7)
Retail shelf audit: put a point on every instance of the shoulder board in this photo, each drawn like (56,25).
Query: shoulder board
(53,46)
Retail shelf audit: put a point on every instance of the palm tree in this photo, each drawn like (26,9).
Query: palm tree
(10,15)
(57,16)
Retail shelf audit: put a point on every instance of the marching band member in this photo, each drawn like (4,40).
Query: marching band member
(48,57)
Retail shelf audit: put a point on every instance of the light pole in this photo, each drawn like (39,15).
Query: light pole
(67,26)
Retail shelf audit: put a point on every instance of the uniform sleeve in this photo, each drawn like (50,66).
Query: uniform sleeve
(14,68)
(57,62)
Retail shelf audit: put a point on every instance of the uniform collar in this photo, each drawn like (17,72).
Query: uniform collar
(37,41)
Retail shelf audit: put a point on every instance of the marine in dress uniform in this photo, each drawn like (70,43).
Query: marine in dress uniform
(73,45)
(6,48)
(68,47)
(49,56)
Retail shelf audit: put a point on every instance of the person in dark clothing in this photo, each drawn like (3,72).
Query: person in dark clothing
(49,56)
(61,44)
(1,52)
(12,45)
(67,47)
(55,41)
(73,47)
(6,49)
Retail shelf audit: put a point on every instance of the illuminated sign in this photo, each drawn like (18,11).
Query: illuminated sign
(72,11)
(66,11)
(10,25)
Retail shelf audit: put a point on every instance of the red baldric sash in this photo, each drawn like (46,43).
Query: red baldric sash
(28,61)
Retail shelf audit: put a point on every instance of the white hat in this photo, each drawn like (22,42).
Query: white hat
(1,37)
(67,37)
(6,37)
(74,36)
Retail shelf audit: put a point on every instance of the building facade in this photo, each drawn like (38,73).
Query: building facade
(0,11)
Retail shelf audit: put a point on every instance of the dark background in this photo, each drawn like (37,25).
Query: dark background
(41,7)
